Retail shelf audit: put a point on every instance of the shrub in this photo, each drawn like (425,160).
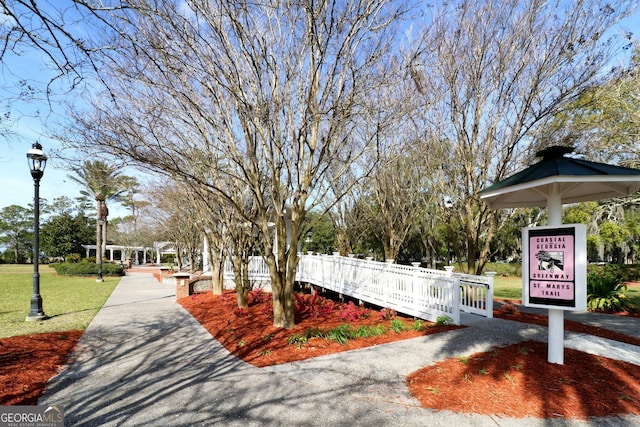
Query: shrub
(418,325)
(258,296)
(377,330)
(312,305)
(397,325)
(363,332)
(624,272)
(303,337)
(267,310)
(229,298)
(341,334)
(606,292)
(351,312)
(298,339)
(443,320)
(387,314)
(74,258)
(505,269)
(87,269)
(240,311)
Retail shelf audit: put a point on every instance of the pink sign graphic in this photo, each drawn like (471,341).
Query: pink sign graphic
(551,266)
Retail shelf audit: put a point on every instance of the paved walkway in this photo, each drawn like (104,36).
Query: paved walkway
(144,361)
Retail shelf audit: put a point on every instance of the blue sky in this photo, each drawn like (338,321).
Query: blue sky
(29,121)
(28,124)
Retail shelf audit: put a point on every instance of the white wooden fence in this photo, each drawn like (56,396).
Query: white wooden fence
(415,291)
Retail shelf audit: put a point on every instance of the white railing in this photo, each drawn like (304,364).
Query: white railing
(258,269)
(420,292)
(476,294)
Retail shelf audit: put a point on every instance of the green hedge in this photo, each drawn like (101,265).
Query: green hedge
(622,272)
(87,269)
(505,269)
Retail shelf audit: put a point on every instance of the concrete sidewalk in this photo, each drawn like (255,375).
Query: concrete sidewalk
(144,361)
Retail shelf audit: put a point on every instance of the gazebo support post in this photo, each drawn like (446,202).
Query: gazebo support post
(555,352)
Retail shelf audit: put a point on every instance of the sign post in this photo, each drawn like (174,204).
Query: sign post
(554,276)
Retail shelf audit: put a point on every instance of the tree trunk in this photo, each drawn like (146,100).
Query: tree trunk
(98,242)
(282,290)
(239,272)
(98,228)
(104,238)
(217,271)
(283,314)
(388,248)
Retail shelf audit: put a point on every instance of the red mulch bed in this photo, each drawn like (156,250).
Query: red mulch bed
(517,381)
(252,337)
(27,363)
(569,325)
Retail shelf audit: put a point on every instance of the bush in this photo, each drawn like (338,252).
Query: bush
(606,292)
(387,314)
(87,269)
(623,272)
(397,326)
(443,321)
(341,334)
(505,269)
(351,312)
(312,305)
(74,258)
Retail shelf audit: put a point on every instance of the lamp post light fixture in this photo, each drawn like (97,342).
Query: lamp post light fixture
(99,250)
(448,205)
(37,163)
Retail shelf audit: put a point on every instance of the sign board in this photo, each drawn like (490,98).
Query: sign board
(554,267)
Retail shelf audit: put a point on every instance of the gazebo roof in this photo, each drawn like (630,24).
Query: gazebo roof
(576,180)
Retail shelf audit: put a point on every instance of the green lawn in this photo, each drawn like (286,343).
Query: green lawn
(510,288)
(69,302)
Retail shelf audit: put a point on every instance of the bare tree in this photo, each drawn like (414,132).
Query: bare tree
(491,74)
(63,32)
(180,221)
(397,200)
(278,91)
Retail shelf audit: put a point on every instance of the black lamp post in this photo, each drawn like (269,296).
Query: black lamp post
(37,162)
(99,249)
(448,204)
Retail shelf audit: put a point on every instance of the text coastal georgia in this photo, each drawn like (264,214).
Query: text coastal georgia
(550,242)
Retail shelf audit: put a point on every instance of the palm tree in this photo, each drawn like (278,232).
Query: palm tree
(102,182)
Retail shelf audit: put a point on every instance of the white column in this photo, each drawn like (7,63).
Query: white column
(206,264)
(556,317)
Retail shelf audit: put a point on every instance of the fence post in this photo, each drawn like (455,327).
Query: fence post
(415,286)
(456,300)
(490,275)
